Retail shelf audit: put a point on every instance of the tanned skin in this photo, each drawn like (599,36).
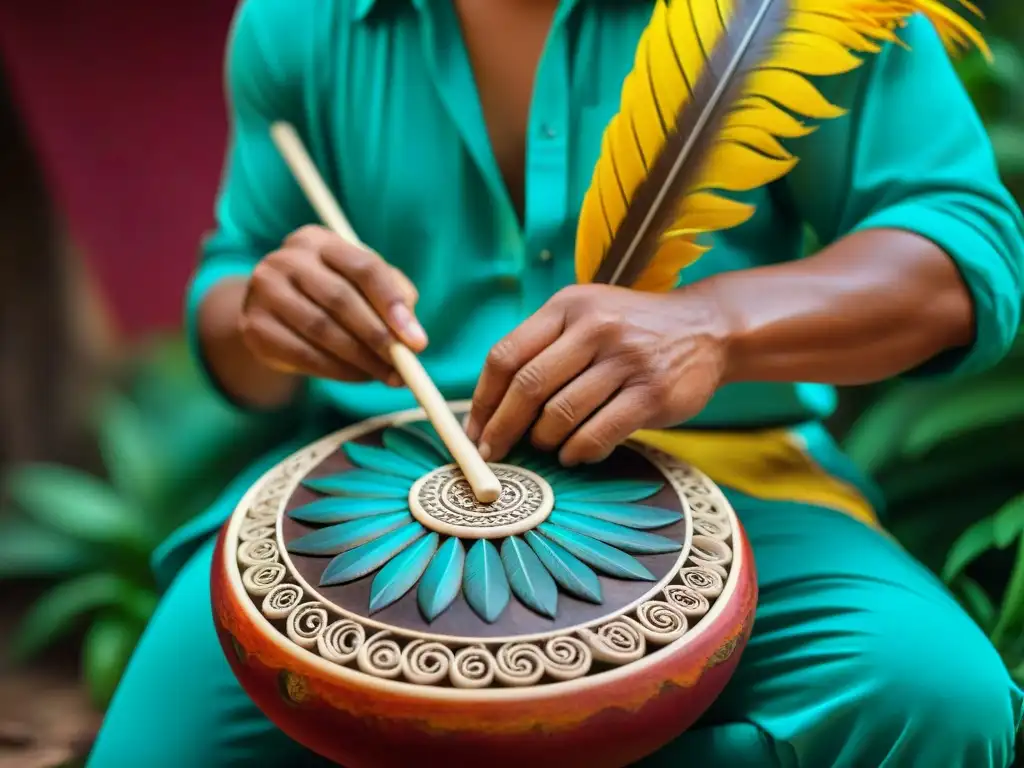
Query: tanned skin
(596,363)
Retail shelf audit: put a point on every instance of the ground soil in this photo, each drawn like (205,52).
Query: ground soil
(46,720)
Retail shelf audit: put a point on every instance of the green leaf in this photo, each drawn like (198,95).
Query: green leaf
(1008,522)
(382,460)
(79,506)
(361,482)
(1011,612)
(107,648)
(571,573)
(342,510)
(414,447)
(618,536)
(976,602)
(128,451)
(1008,144)
(597,554)
(57,611)
(984,402)
(630,515)
(1017,673)
(401,574)
(28,550)
(972,544)
(336,539)
(367,558)
(528,577)
(442,580)
(424,430)
(878,436)
(484,582)
(612,490)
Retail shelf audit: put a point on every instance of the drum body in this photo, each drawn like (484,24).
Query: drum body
(380,616)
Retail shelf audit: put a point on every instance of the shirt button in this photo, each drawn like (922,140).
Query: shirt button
(544,255)
(548,131)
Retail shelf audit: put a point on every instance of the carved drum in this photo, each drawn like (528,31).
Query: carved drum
(381,616)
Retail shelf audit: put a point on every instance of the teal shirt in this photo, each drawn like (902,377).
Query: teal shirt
(384,96)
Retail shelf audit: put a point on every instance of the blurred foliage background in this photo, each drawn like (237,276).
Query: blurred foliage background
(949,456)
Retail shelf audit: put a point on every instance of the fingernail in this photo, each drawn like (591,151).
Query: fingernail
(485,451)
(472,430)
(404,322)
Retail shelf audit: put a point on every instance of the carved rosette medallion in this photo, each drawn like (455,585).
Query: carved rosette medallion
(443,501)
(602,567)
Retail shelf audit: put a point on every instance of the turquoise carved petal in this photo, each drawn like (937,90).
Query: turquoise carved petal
(336,539)
(442,581)
(484,582)
(401,574)
(618,536)
(339,510)
(425,431)
(597,554)
(611,490)
(382,460)
(412,447)
(639,516)
(360,561)
(361,482)
(573,575)
(528,577)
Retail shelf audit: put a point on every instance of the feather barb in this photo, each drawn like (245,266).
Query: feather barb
(717,86)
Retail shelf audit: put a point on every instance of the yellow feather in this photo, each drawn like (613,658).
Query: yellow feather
(655,191)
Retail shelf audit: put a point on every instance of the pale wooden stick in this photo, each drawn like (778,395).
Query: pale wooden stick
(482,480)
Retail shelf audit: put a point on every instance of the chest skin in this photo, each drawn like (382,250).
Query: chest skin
(504,41)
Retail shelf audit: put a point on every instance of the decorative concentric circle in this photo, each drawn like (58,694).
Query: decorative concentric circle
(361,509)
(443,501)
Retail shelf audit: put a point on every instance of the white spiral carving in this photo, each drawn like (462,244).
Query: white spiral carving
(567,657)
(520,664)
(258,580)
(618,642)
(703,506)
(706,581)
(257,552)
(661,622)
(473,668)
(257,530)
(712,528)
(280,601)
(305,624)
(691,602)
(708,551)
(380,656)
(426,662)
(264,510)
(341,641)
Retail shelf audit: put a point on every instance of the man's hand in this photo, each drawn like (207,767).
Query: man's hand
(594,365)
(321,307)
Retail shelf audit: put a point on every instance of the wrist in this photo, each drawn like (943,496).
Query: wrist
(244,379)
(711,317)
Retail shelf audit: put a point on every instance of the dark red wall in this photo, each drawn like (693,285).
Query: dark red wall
(125,104)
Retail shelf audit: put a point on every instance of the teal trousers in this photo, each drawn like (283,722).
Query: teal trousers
(859,657)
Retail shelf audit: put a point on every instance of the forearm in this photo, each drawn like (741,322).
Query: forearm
(871,306)
(239,373)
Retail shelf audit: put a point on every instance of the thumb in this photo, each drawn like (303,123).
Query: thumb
(409,293)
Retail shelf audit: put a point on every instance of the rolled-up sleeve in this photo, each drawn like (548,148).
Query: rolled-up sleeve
(258,203)
(912,154)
